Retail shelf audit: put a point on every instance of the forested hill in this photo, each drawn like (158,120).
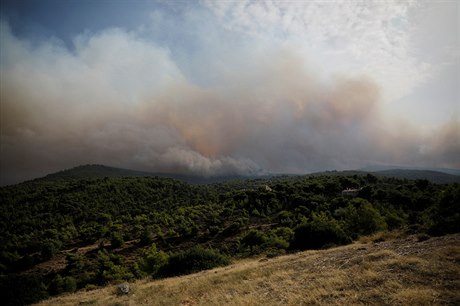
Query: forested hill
(436,177)
(101,171)
(432,176)
(93,171)
(66,234)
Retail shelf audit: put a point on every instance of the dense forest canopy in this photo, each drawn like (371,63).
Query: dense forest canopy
(109,229)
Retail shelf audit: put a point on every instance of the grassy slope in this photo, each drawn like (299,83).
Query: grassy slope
(400,271)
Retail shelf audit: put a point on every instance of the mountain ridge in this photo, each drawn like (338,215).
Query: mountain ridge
(98,171)
(433,176)
(379,168)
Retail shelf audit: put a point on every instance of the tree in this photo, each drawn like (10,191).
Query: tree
(117,240)
(322,230)
(361,218)
(49,248)
(153,260)
(75,262)
(253,238)
(193,260)
(62,284)
(446,217)
(146,237)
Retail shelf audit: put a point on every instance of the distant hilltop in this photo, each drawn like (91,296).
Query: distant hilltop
(436,177)
(380,168)
(432,176)
(96,171)
(101,171)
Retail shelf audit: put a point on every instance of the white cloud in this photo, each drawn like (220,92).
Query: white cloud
(343,37)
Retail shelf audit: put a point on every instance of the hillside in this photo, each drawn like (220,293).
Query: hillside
(73,234)
(377,168)
(436,177)
(433,176)
(403,271)
(101,171)
(93,171)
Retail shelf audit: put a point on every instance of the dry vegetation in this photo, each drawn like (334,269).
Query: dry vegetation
(401,271)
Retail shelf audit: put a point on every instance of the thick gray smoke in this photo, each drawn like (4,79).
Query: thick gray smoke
(121,101)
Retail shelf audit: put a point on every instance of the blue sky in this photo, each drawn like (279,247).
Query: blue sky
(228,87)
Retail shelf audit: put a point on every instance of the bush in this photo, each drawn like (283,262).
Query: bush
(233,229)
(394,218)
(49,248)
(146,237)
(283,232)
(153,260)
(117,240)
(111,268)
(284,218)
(116,273)
(278,239)
(193,260)
(320,231)
(275,242)
(446,215)
(253,238)
(74,262)
(361,218)
(21,289)
(62,284)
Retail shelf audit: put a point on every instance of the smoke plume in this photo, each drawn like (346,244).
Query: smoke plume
(122,101)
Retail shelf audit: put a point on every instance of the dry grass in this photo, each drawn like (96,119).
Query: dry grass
(393,272)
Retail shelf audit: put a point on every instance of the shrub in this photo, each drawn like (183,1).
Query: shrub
(394,218)
(193,260)
(111,268)
(153,260)
(116,273)
(49,248)
(21,289)
(361,218)
(275,242)
(62,284)
(117,240)
(283,232)
(75,262)
(320,231)
(446,215)
(232,229)
(253,239)
(285,218)
(146,237)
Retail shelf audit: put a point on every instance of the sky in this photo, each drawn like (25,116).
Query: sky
(217,88)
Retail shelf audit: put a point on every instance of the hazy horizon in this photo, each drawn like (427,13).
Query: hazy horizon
(228,88)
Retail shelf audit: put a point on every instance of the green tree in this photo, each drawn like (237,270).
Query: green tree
(153,260)
(49,248)
(116,240)
(361,218)
(146,236)
(75,263)
(193,260)
(62,284)
(446,214)
(253,239)
(322,230)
